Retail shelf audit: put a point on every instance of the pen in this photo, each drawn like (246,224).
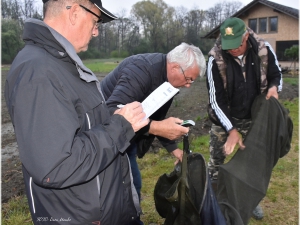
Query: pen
(120,106)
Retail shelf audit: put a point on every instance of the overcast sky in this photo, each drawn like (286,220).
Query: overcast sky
(116,6)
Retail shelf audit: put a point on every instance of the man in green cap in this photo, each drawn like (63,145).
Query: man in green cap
(241,66)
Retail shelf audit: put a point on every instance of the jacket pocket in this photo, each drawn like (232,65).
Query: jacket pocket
(98,115)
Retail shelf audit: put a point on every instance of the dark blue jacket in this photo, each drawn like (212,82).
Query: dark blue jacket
(134,80)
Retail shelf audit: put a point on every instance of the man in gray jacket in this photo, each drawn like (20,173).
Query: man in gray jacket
(71,148)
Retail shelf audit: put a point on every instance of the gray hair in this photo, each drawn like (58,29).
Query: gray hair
(244,34)
(186,56)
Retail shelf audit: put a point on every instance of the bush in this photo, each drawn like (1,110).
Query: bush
(11,40)
(292,53)
(91,53)
(115,54)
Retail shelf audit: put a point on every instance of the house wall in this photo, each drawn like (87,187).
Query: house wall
(288,27)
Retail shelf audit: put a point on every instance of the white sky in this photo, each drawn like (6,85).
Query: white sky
(116,6)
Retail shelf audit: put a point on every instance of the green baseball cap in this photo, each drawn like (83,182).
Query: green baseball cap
(232,30)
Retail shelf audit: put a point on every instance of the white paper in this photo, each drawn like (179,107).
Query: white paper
(158,98)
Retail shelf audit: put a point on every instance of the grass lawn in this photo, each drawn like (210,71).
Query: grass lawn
(280,204)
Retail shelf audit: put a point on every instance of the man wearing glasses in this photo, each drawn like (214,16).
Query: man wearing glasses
(138,76)
(241,66)
(71,147)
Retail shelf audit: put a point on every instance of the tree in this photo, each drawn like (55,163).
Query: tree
(221,11)
(152,17)
(11,9)
(28,8)
(153,26)
(127,33)
(11,39)
(195,20)
(133,38)
(174,28)
(229,8)
(293,54)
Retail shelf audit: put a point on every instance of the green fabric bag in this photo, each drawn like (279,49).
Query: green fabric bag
(179,196)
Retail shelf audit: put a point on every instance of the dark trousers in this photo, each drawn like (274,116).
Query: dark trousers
(136,174)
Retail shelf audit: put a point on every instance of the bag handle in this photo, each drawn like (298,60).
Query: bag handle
(183,181)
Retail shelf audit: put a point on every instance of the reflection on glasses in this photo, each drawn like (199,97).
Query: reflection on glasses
(97,23)
(187,79)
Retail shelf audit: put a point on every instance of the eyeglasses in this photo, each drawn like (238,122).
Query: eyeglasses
(97,23)
(187,79)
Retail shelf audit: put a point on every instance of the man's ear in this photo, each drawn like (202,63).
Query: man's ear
(74,13)
(174,67)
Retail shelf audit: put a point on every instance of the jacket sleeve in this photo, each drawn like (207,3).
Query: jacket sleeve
(134,83)
(51,149)
(217,94)
(169,145)
(160,114)
(274,75)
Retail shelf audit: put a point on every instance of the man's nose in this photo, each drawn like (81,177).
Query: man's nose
(95,32)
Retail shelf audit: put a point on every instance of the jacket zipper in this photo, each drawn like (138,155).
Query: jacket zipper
(98,180)
(31,195)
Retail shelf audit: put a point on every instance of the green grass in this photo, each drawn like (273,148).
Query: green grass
(16,212)
(96,65)
(102,65)
(280,204)
(5,67)
(291,80)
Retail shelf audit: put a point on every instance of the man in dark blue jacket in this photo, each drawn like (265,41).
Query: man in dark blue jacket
(138,76)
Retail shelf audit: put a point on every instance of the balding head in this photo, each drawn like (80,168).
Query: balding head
(57,5)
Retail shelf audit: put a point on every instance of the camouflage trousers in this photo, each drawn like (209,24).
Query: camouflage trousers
(218,137)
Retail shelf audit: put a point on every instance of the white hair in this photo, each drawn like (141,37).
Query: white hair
(186,56)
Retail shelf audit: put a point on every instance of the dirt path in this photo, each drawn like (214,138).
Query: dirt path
(190,103)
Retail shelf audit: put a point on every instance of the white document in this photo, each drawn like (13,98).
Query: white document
(158,98)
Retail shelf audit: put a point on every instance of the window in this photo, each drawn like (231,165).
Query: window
(273,24)
(281,46)
(253,24)
(263,25)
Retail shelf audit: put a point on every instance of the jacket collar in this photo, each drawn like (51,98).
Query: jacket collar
(85,73)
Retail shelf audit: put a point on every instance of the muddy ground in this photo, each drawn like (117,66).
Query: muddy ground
(189,104)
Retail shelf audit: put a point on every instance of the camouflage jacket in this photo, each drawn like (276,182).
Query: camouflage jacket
(262,70)
(216,52)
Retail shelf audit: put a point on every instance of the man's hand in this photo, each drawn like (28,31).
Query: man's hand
(178,153)
(233,139)
(169,128)
(133,113)
(272,92)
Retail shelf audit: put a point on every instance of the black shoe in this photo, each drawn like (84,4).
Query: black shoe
(258,213)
